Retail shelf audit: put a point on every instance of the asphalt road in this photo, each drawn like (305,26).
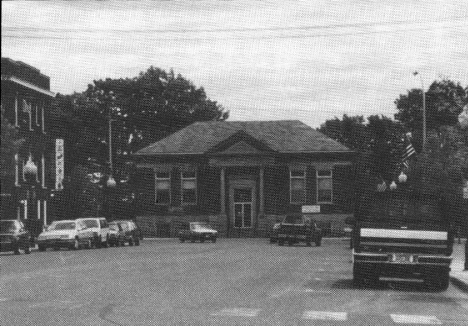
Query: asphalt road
(231,282)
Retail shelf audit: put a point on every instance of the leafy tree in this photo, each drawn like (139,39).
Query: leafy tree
(444,103)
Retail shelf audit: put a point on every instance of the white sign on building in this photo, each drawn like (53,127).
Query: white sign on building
(59,164)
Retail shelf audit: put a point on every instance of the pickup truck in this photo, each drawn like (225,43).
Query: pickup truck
(297,228)
(402,234)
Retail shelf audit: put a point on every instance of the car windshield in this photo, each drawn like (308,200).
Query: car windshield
(293,219)
(113,227)
(200,226)
(91,223)
(63,226)
(7,226)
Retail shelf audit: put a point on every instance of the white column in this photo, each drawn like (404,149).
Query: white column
(16,170)
(16,110)
(223,191)
(42,115)
(45,211)
(30,115)
(38,209)
(43,171)
(26,209)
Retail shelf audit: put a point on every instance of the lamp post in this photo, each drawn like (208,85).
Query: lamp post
(424,111)
(111,181)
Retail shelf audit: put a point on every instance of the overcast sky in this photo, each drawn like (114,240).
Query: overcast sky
(261,60)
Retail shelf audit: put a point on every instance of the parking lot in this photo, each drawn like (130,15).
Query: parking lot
(230,282)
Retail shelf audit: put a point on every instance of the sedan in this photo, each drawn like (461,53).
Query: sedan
(197,231)
(65,234)
(14,236)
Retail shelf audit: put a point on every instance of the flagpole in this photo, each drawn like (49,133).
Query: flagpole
(424,112)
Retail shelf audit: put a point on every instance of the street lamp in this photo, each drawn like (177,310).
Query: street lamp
(424,111)
(111,181)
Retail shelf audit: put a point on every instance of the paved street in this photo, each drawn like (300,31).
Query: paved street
(231,282)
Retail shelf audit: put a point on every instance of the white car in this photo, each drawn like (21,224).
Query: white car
(100,229)
(65,234)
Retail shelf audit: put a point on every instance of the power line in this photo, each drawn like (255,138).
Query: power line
(245,37)
(230,30)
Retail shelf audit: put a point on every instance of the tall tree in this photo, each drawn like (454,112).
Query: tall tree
(444,103)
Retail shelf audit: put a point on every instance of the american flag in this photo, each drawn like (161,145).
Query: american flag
(408,151)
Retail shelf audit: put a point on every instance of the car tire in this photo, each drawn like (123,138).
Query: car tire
(27,250)
(202,240)
(308,244)
(130,241)
(290,243)
(192,240)
(137,241)
(75,245)
(213,240)
(318,243)
(16,251)
(106,243)
(280,243)
(182,240)
(42,248)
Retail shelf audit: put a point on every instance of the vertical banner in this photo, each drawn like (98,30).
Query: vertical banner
(59,164)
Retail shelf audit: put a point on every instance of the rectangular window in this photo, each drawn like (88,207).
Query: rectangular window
(324,186)
(297,186)
(163,187)
(189,187)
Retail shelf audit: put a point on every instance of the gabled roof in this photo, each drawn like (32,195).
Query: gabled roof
(284,136)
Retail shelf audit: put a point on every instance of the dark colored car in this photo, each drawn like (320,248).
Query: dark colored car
(297,228)
(14,236)
(131,231)
(116,234)
(197,231)
(274,233)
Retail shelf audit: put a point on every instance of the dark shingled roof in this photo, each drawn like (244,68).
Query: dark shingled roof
(284,136)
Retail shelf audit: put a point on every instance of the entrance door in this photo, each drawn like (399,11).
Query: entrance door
(242,200)
(243,204)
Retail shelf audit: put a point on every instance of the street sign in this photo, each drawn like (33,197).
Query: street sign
(307,209)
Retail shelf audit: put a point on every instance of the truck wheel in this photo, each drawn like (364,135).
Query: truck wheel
(202,240)
(42,248)
(280,242)
(27,250)
(358,276)
(137,241)
(437,280)
(290,243)
(16,251)
(318,243)
(182,240)
(213,240)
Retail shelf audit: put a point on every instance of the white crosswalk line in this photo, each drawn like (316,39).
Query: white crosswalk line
(237,312)
(325,315)
(415,319)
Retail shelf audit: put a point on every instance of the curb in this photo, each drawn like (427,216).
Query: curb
(459,283)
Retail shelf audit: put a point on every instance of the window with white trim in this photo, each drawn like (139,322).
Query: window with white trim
(163,187)
(188,183)
(324,186)
(297,185)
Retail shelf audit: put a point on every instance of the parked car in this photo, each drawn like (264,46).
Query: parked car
(132,234)
(274,233)
(100,229)
(70,234)
(197,231)
(116,234)
(297,228)
(14,236)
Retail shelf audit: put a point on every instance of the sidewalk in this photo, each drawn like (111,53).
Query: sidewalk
(458,276)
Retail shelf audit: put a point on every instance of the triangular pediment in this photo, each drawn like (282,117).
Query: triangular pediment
(240,143)
(241,147)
